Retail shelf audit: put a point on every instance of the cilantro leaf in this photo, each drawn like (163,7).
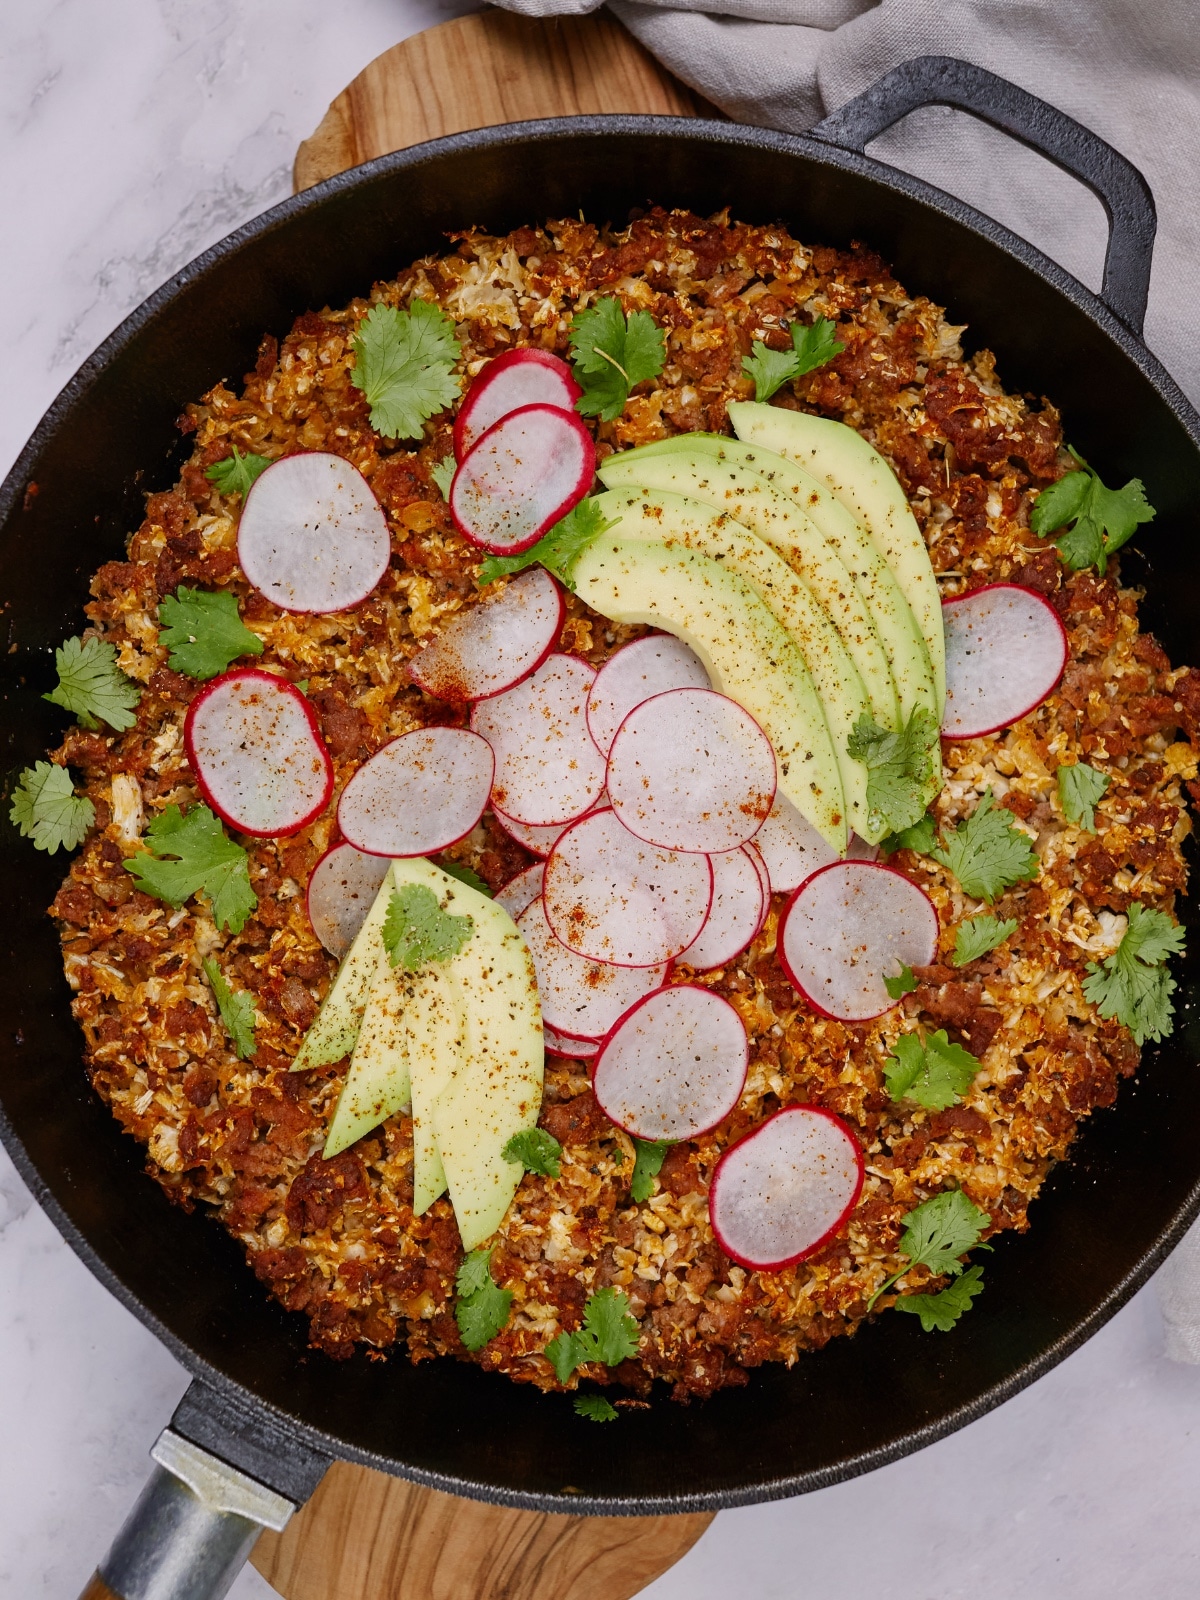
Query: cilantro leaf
(903,983)
(612,353)
(466,875)
(237,472)
(536,1150)
(649,1157)
(92,685)
(47,810)
(595,1408)
(1079,788)
(977,935)
(443,474)
(942,1311)
(417,930)
(937,1234)
(562,1356)
(609,1335)
(205,859)
(935,1074)
(237,1010)
(1132,984)
(558,550)
(403,363)
(812,346)
(904,769)
(919,838)
(482,1307)
(204,632)
(987,851)
(1101,519)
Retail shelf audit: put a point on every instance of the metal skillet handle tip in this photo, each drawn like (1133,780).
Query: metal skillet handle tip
(1114,180)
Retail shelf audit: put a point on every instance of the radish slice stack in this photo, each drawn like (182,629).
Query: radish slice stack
(343,884)
(581,998)
(846,929)
(782,1191)
(517,378)
(259,760)
(420,793)
(496,643)
(1005,652)
(547,768)
(636,673)
(520,477)
(740,902)
(563,1045)
(674,1066)
(521,891)
(312,536)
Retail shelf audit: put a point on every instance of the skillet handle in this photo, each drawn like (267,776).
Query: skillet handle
(1114,180)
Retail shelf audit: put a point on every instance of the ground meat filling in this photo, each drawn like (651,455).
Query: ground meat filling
(337,1239)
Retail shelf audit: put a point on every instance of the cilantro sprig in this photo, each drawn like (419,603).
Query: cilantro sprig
(937,1234)
(204,632)
(904,769)
(481,1310)
(612,353)
(939,1312)
(558,550)
(442,473)
(812,346)
(47,810)
(92,685)
(595,1408)
(536,1150)
(1079,789)
(933,1073)
(404,365)
(609,1335)
(467,875)
(903,983)
(236,1009)
(1101,519)
(237,472)
(416,930)
(977,935)
(987,852)
(1133,985)
(919,838)
(649,1156)
(187,854)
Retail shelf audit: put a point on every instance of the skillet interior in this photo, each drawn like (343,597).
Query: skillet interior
(1101,1223)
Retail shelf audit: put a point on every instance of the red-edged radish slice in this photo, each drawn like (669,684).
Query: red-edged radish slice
(520,477)
(674,1066)
(540,841)
(637,672)
(422,792)
(522,890)
(613,898)
(313,537)
(764,877)
(859,850)
(496,643)
(517,378)
(847,928)
(691,770)
(547,768)
(581,998)
(1005,652)
(791,847)
(563,1045)
(782,1191)
(341,888)
(741,899)
(257,753)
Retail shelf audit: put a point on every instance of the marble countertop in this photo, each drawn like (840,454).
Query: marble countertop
(132,135)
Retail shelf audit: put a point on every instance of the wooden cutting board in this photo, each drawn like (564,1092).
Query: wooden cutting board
(365,1536)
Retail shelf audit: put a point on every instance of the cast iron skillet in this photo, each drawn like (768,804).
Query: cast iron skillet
(260,1402)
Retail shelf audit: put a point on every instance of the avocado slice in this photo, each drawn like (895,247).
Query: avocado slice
(747,653)
(335,1030)
(862,480)
(434,1023)
(378,1083)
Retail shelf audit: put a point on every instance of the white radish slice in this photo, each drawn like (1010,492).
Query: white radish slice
(313,537)
(521,476)
(496,643)
(859,850)
(791,847)
(341,890)
(846,929)
(422,792)
(613,898)
(1005,652)
(515,379)
(547,768)
(674,1066)
(741,899)
(637,672)
(563,1045)
(691,770)
(521,891)
(582,999)
(539,840)
(257,753)
(782,1191)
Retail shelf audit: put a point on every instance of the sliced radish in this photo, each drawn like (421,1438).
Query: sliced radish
(520,477)
(1005,652)
(581,998)
(791,847)
(547,768)
(563,1045)
(496,643)
(611,897)
(859,850)
(637,672)
(517,378)
(522,890)
(313,537)
(674,1066)
(847,928)
(691,770)
(420,793)
(782,1191)
(257,753)
(740,902)
(341,888)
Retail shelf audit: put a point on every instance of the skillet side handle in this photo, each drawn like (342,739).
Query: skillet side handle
(1112,178)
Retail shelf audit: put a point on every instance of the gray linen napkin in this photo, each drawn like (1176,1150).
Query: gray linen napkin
(1127,69)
